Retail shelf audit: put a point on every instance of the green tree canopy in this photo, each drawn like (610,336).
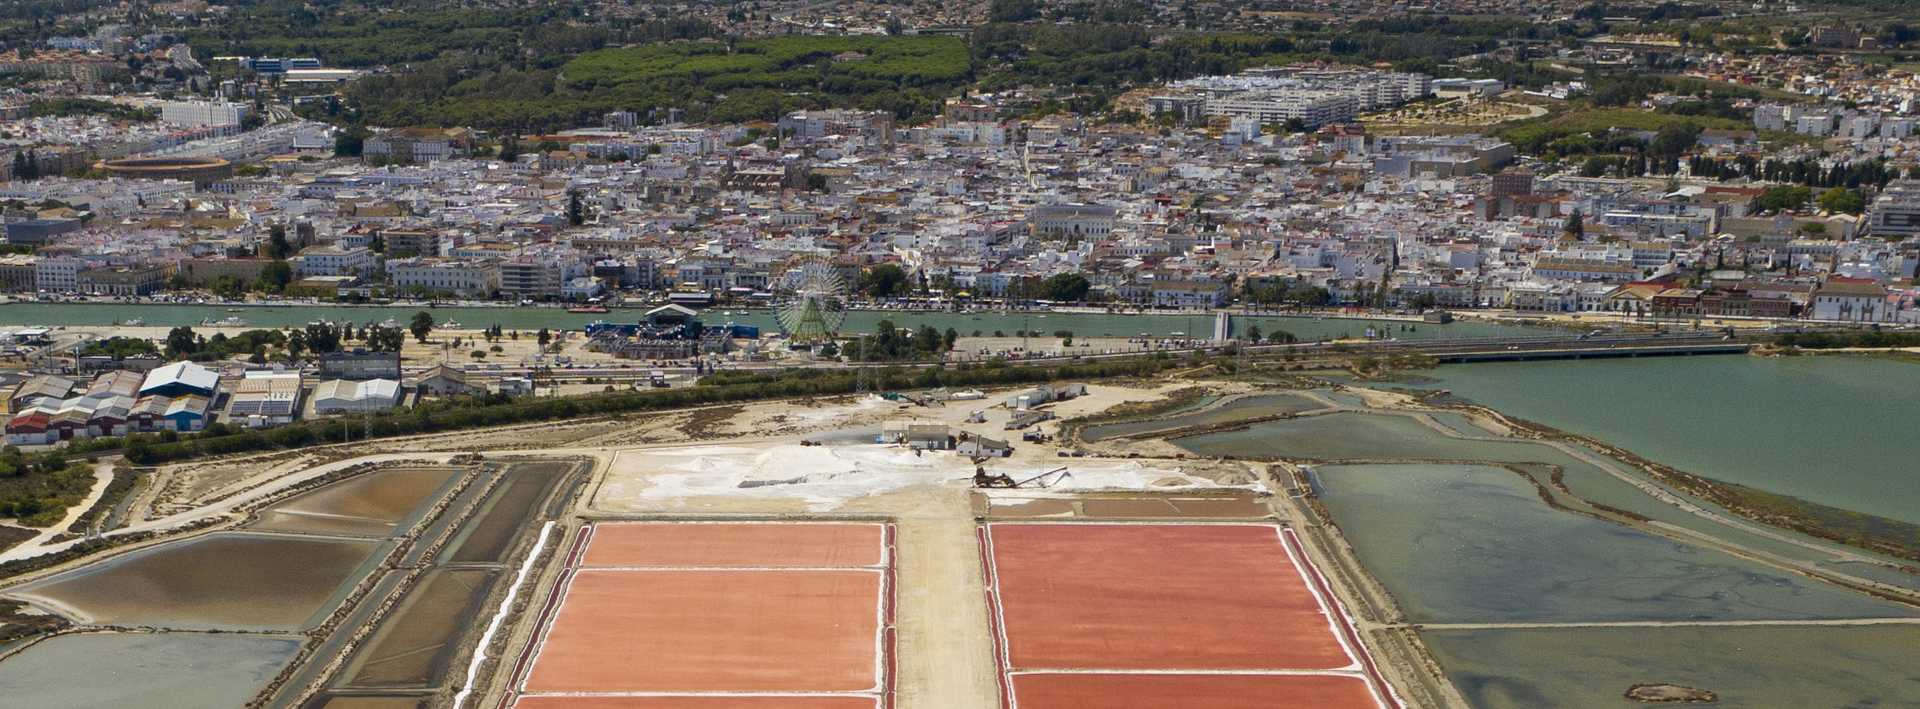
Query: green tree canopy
(1843,200)
(277,245)
(1779,199)
(1069,287)
(421,326)
(883,281)
(275,277)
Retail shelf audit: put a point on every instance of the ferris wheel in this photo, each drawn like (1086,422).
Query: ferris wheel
(818,306)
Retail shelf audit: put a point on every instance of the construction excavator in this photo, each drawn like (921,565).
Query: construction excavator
(981,478)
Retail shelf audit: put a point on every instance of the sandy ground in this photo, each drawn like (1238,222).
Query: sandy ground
(225,506)
(179,488)
(944,648)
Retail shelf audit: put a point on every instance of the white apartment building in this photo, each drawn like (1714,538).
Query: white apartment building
(1859,126)
(419,145)
(1462,88)
(332,261)
(1822,120)
(1896,212)
(1314,95)
(1094,220)
(1312,107)
(533,278)
(1814,123)
(807,125)
(463,278)
(1189,294)
(58,274)
(1572,269)
(1851,302)
(962,133)
(201,114)
(1651,254)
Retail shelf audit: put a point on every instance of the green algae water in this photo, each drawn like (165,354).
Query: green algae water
(1470,543)
(1834,430)
(1748,667)
(1400,437)
(162,670)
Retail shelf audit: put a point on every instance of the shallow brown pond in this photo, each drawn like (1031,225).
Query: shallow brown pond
(417,641)
(370,701)
(514,502)
(223,581)
(377,504)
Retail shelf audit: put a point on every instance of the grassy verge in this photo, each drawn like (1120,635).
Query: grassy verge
(39,497)
(10,536)
(1857,529)
(1534,134)
(96,516)
(1839,340)
(777,62)
(17,622)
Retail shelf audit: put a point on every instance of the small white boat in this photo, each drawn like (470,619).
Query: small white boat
(232,321)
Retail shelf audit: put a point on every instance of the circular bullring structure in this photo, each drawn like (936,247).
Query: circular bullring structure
(201,171)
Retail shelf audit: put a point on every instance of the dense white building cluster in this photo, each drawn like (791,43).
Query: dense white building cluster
(979,205)
(1312,95)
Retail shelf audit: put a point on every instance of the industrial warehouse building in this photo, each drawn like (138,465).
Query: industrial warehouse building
(263,399)
(347,397)
(180,379)
(48,409)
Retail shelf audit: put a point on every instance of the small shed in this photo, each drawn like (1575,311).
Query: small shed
(1030,398)
(983,447)
(443,380)
(929,436)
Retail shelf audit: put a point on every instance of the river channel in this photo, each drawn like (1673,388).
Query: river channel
(1834,430)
